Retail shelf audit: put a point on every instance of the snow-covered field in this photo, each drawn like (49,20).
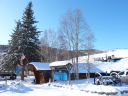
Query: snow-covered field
(58,88)
(98,66)
(77,87)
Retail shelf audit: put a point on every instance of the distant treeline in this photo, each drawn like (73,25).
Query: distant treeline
(3,47)
(82,52)
(52,54)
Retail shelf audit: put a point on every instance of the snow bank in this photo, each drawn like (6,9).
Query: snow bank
(98,90)
(77,87)
(15,87)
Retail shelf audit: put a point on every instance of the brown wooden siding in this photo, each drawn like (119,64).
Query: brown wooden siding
(41,76)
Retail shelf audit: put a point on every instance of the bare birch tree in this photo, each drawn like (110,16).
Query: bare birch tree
(89,45)
(47,45)
(53,46)
(73,28)
(61,48)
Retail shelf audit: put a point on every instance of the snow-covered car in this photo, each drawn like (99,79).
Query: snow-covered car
(114,78)
(123,76)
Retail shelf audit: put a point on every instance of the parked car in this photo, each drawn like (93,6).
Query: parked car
(115,78)
(124,76)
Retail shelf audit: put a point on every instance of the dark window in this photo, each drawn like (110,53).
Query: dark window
(126,73)
(121,73)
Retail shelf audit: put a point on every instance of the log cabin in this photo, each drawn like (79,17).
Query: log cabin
(42,71)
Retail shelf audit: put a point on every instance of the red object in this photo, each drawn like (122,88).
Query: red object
(21,60)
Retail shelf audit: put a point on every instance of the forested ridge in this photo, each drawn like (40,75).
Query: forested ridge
(3,47)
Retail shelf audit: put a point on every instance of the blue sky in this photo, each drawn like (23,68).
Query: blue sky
(108,19)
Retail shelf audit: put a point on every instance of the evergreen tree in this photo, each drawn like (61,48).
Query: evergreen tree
(30,41)
(11,59)
(24,39)
(15,44)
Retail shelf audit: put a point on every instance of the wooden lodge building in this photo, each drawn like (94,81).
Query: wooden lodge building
(42,71)
(60,70)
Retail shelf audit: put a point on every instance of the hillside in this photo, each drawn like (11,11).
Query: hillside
(99,66)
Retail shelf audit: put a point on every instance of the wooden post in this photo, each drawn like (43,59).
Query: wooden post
(22,73)
(53,74)
(49,82)
(68,68)
(69,77)
(5,80)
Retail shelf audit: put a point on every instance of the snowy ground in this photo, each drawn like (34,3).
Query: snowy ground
(77,88)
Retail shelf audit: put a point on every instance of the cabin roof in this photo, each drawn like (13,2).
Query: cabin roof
(60,63)
(41,65)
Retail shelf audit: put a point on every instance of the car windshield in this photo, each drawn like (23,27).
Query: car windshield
(126,73)
(121,73)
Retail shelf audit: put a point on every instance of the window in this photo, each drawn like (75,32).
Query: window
(127,73)
(121,73)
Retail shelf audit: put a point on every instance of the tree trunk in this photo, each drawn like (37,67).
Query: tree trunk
(88,67)
(77,69)
(22,73)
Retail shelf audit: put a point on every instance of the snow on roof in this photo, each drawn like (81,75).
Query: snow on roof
(41,65)
(59,63)
(82,68)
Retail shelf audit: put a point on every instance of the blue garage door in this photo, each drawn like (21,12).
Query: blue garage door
(60,74)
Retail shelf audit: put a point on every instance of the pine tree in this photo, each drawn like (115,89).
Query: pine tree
(30,39)
(15,44)
(11,59)
(24,40)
